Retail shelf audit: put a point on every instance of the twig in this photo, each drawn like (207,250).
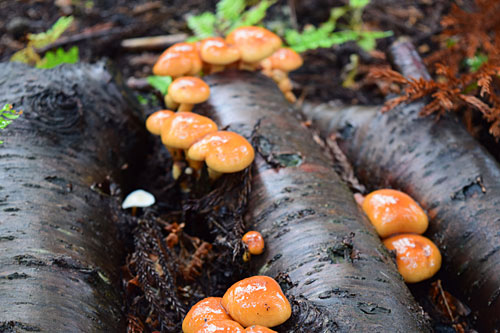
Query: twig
(441,291)
(152,43)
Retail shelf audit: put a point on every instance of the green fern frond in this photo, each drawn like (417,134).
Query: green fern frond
(45,38)
(202,25)
(58,57)
(230,10)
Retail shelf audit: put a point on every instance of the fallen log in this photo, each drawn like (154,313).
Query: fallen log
(439,164)
(342,277)
(59,253)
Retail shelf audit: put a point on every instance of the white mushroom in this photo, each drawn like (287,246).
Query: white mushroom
(138,198)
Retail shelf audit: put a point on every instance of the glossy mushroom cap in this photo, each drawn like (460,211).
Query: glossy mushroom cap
(227,326)
(188,89)
(257,300)
(156,120)
(179,59)
(138,198)
(216,51)
(185,128)
(417,257)
(258,329)
(285,59)
(223,151)
(254,242)
(254,43)
(393,212)
(206,310)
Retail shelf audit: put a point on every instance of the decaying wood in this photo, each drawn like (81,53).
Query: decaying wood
(319,244)
(59,253)
(446,171)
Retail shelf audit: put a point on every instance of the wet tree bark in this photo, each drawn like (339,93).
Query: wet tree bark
(445,170)
(59,256)
(338,268)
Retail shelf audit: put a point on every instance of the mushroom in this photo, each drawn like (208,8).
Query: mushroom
(178,60)
(223,152)
(206,310)
(228,326)
(254,242)
(156,120)
(258,329)
(417,257)
(182,130)
(254,44)
(257,300)
(393,212)
(216,52)
(187,91)
(138,198)
(278,65)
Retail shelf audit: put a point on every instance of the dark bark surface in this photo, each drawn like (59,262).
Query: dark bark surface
(446,171)
(59,253)
(341,275)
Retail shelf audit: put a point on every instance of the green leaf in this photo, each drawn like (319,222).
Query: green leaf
(59,57)
(45,38)
(160,83)
(476,62)
(358,3)
(368,39)
(254,15)
(230,9)
(7,112)
(202,25)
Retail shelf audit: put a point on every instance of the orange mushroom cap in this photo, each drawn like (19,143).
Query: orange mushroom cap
(156,120)
(254,43)
(206,310)
(179,59)
(257,300)
(184,128)
(254,242)
(223,151)
(258,329)
(188,89)
(216,51)
(417,257)
(228,326)
(393,212)
(285,59)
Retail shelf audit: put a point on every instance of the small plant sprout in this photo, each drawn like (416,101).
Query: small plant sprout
(138,198)
(7,115)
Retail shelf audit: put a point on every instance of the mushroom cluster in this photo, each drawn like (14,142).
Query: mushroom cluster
(248,48)
(256,303)
(400,221)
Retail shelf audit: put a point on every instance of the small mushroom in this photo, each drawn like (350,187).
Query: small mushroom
(392,212)
(183,129)
(223,152)
(257,300)
(254,44)
(187,91)
(227,326)
(178,60)
(254,241)
(138,198)
(155,121)
(417,257)
(216,52)
(206,310)
(278,65)
(258,329)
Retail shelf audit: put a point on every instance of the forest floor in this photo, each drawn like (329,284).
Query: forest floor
(101,26)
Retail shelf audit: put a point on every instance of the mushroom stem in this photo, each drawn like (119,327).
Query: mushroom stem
(216,68)
(213,175)
(248,66)
(185,107)
(171,104)
(176,170)
(175,153)
(195,165)
(134,211)
(290,97)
